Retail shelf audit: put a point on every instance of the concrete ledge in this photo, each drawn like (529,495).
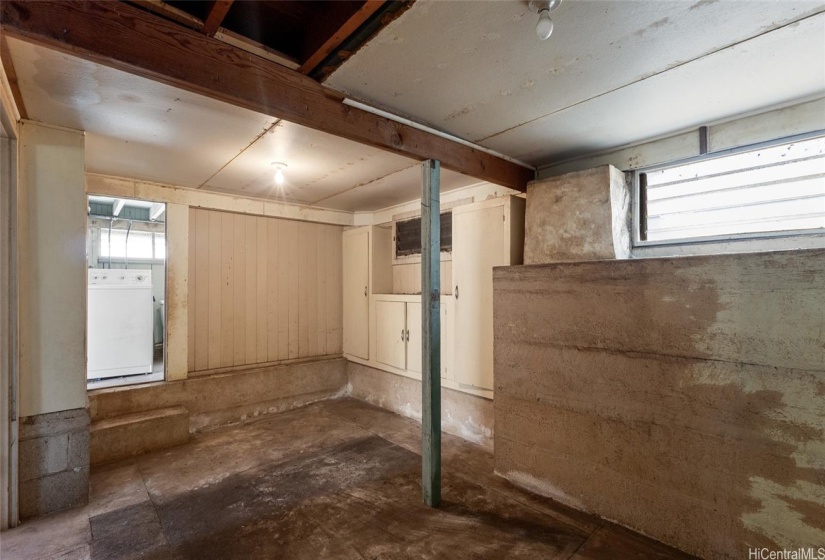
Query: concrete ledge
(124,436)
(464,415)
(225,398)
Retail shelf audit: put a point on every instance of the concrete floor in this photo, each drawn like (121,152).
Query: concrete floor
(338,479)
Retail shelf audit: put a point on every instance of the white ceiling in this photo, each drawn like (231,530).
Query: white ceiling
(612,73)
(146,130)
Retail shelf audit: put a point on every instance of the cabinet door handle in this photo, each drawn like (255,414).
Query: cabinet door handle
(402,335)
(365,291)
(456,292)
(408,335)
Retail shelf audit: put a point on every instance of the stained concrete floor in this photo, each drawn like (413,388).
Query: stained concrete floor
(338,479)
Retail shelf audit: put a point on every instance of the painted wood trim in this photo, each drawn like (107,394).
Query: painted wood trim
(177,292)
(130,188)
(134,41)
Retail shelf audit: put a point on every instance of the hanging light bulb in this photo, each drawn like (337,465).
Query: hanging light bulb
(279,172)
(544,27)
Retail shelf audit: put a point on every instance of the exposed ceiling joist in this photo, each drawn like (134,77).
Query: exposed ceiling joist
(348,28)
(11,77)
(163,9)
(217,12)
(129,39)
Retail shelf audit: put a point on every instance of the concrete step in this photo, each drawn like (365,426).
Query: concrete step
(127,435)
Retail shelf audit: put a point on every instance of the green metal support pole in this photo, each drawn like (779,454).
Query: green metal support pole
(431,332)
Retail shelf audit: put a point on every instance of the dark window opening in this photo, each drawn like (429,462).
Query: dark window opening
(408,236)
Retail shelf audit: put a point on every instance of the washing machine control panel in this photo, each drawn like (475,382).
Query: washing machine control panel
(110,277)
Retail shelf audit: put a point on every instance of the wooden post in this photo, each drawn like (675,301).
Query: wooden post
(431,333)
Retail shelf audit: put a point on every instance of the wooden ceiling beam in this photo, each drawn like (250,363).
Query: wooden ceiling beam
(126,38)
(340,35)
(217,12)
(11,77)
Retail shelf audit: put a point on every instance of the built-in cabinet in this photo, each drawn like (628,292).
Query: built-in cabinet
(384,329)
(356,251)
(397,334)
(485,235)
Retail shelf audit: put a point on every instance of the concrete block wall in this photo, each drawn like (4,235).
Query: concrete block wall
(683,398)
(54,461)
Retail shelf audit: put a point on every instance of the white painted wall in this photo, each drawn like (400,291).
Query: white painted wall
(52,269)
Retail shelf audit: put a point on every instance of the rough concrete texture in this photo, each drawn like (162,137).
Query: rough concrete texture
(124,436)
(578,216)
(462,414)
(225,398)
(338,479)
(680,397)
(53,461)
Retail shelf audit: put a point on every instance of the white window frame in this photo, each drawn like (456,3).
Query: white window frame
(717,244)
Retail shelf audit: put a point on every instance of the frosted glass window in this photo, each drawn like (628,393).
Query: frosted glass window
(140,244)
(774,189)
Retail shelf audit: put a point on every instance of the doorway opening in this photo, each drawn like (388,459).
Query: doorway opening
(126,315)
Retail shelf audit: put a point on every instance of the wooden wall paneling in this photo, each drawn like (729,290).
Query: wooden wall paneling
(303,285)
(251,291)
(273,286)
(312,289)
(216,280)
(190,307)
(262,307)
(333,246)
(238,289)
(284,305)
(323,268)
(200,282)
(293,273)
(262,289)
(227,295)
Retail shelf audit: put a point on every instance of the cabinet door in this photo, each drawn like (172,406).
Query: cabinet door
(390,333)
(478,246)
(356,299)
(414,345)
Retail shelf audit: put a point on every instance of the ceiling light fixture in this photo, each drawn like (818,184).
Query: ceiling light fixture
(544,27)
(279,172)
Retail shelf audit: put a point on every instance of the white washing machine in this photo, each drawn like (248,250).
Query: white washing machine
(120,320)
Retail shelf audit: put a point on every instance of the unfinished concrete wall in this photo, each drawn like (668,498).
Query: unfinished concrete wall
(683,398)
(578,216)
(462,414)
(225,398)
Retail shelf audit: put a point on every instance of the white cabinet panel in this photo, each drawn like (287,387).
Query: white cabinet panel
(414,345)
(390,333)
(356,292)
(479,244)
